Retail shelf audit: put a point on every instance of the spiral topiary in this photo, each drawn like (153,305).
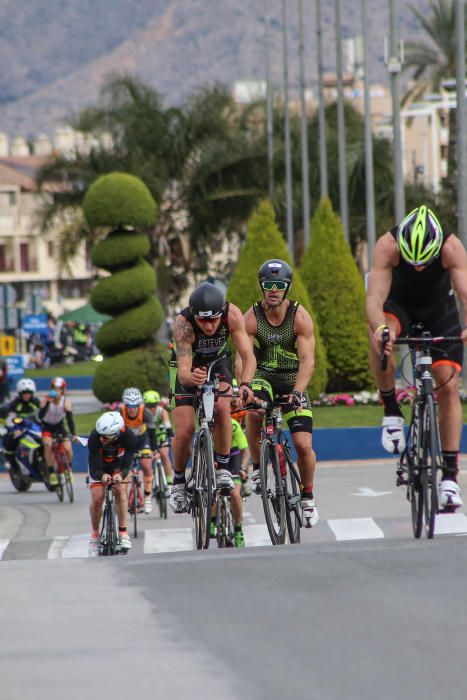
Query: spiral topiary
(132,357)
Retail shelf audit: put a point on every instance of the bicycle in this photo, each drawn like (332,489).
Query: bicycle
(201,486)
(280,480)
(63,468)
(135,496)
(160,489)
(422,458)
(108,541)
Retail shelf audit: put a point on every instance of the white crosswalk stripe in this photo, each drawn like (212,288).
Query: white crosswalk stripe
(165,540)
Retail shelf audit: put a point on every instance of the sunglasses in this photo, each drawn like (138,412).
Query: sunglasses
(108,438)
(207,319)
(274,285)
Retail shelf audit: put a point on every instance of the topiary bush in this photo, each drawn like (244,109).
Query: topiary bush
(123,202)
(334,283)
(263,242)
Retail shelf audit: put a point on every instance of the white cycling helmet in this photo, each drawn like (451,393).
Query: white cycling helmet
(132,397)
(26,385)
(110,424)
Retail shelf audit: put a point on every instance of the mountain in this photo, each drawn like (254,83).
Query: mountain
(56,53)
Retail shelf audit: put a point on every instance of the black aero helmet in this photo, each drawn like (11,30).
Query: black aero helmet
(207,301)
(275,270)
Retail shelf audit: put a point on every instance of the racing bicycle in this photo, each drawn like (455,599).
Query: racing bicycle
(135,496)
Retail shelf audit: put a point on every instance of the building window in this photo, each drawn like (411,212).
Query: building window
(50,249)
(2,259)
(12,199)
(25,263)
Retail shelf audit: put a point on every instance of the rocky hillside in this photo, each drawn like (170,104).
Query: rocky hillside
(54,54)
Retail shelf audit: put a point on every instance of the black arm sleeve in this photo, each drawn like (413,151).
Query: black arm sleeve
(96,465)
(43,411)
(71,422)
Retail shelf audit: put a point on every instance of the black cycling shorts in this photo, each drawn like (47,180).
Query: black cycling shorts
(297,421)
(185,396)
(440,318)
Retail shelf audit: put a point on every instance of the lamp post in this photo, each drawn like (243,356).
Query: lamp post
(369,176)
(269,125)
(461,123)
(394,64)
(344,209)
(323,164)
(304,135)
(288,155)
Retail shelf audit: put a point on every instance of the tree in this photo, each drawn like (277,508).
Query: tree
(122,202)
(263,242)
(434,61)
(334,284)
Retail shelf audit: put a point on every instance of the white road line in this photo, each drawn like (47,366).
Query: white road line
(178,539)
(248,518)
(256,535)
(450,523)
(3,545)
(77,547)
(355,529)
(57,546)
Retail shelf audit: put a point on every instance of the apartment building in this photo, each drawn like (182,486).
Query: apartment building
(28,258)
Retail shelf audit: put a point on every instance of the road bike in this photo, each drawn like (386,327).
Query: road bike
(160,489)
(108,540)
(201,486)
(63,468)
(135,496)
(419,464)
(280,480)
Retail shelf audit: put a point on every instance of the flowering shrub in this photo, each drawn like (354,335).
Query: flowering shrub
(403,395)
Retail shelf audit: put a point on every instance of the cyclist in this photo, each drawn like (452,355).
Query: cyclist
(55,407)
(24,405)
(201,331)
(140,421)
(415,266)
(111,448)
(163,429)
(281,332)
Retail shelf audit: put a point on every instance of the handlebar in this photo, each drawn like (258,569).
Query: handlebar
(424,340)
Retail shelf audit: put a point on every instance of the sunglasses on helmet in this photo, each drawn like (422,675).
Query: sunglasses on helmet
(274,285)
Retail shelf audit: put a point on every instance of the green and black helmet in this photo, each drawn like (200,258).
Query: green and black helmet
(420,236)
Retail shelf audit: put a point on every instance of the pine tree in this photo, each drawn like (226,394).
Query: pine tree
(263,242)
(336,288)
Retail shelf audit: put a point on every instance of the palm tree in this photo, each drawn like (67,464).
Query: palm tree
(435,61)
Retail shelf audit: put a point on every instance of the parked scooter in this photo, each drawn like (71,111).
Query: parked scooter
(27,464)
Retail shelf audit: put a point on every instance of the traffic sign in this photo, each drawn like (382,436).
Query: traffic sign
(35,323)
(15,364)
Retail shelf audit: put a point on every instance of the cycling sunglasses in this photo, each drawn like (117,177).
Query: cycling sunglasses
(274,285)
(108,438)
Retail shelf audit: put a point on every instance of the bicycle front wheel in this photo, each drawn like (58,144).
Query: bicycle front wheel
(292,501)
(272,493)
(432,460)
(224,523)
(203,486)
(162,491)
(133,506)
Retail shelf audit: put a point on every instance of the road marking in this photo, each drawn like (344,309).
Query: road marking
(450,523)
(355,529)
(3,545)
(177,539)
(364,491)
(57,546)
(256,535)
(248,518)
(77,547)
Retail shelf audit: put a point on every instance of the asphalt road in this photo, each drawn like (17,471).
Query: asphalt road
(358,610)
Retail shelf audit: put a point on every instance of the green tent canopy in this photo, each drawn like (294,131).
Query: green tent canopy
(84,314)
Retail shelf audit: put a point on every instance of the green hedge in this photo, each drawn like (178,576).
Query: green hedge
(122,290)
(145,368)
(130,328)
(119,199)
(118,248)
(334,283)
(263,242)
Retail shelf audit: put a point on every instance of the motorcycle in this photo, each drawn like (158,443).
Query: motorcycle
(28,465)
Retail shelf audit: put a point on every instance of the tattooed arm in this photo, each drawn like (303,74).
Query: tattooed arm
(184,338)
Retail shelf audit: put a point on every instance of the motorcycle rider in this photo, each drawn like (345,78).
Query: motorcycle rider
(24,405)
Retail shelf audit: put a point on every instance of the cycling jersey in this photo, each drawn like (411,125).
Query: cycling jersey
(239,441)
(275,348)
(142,422)
(113,456)
(24,409)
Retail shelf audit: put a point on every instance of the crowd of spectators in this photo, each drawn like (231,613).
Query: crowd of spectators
(62,343)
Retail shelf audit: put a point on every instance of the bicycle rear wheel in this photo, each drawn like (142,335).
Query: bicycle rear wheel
(68,477)
(292,501)
(272,493)
(133,505)
(59,488)
(203,486)
(162,490)
(224,523)
(432,460)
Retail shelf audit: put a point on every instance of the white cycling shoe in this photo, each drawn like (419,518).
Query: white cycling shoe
(177,498)
(256,482)
(147,505)
(449,495)
(309,512)
(393,438)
